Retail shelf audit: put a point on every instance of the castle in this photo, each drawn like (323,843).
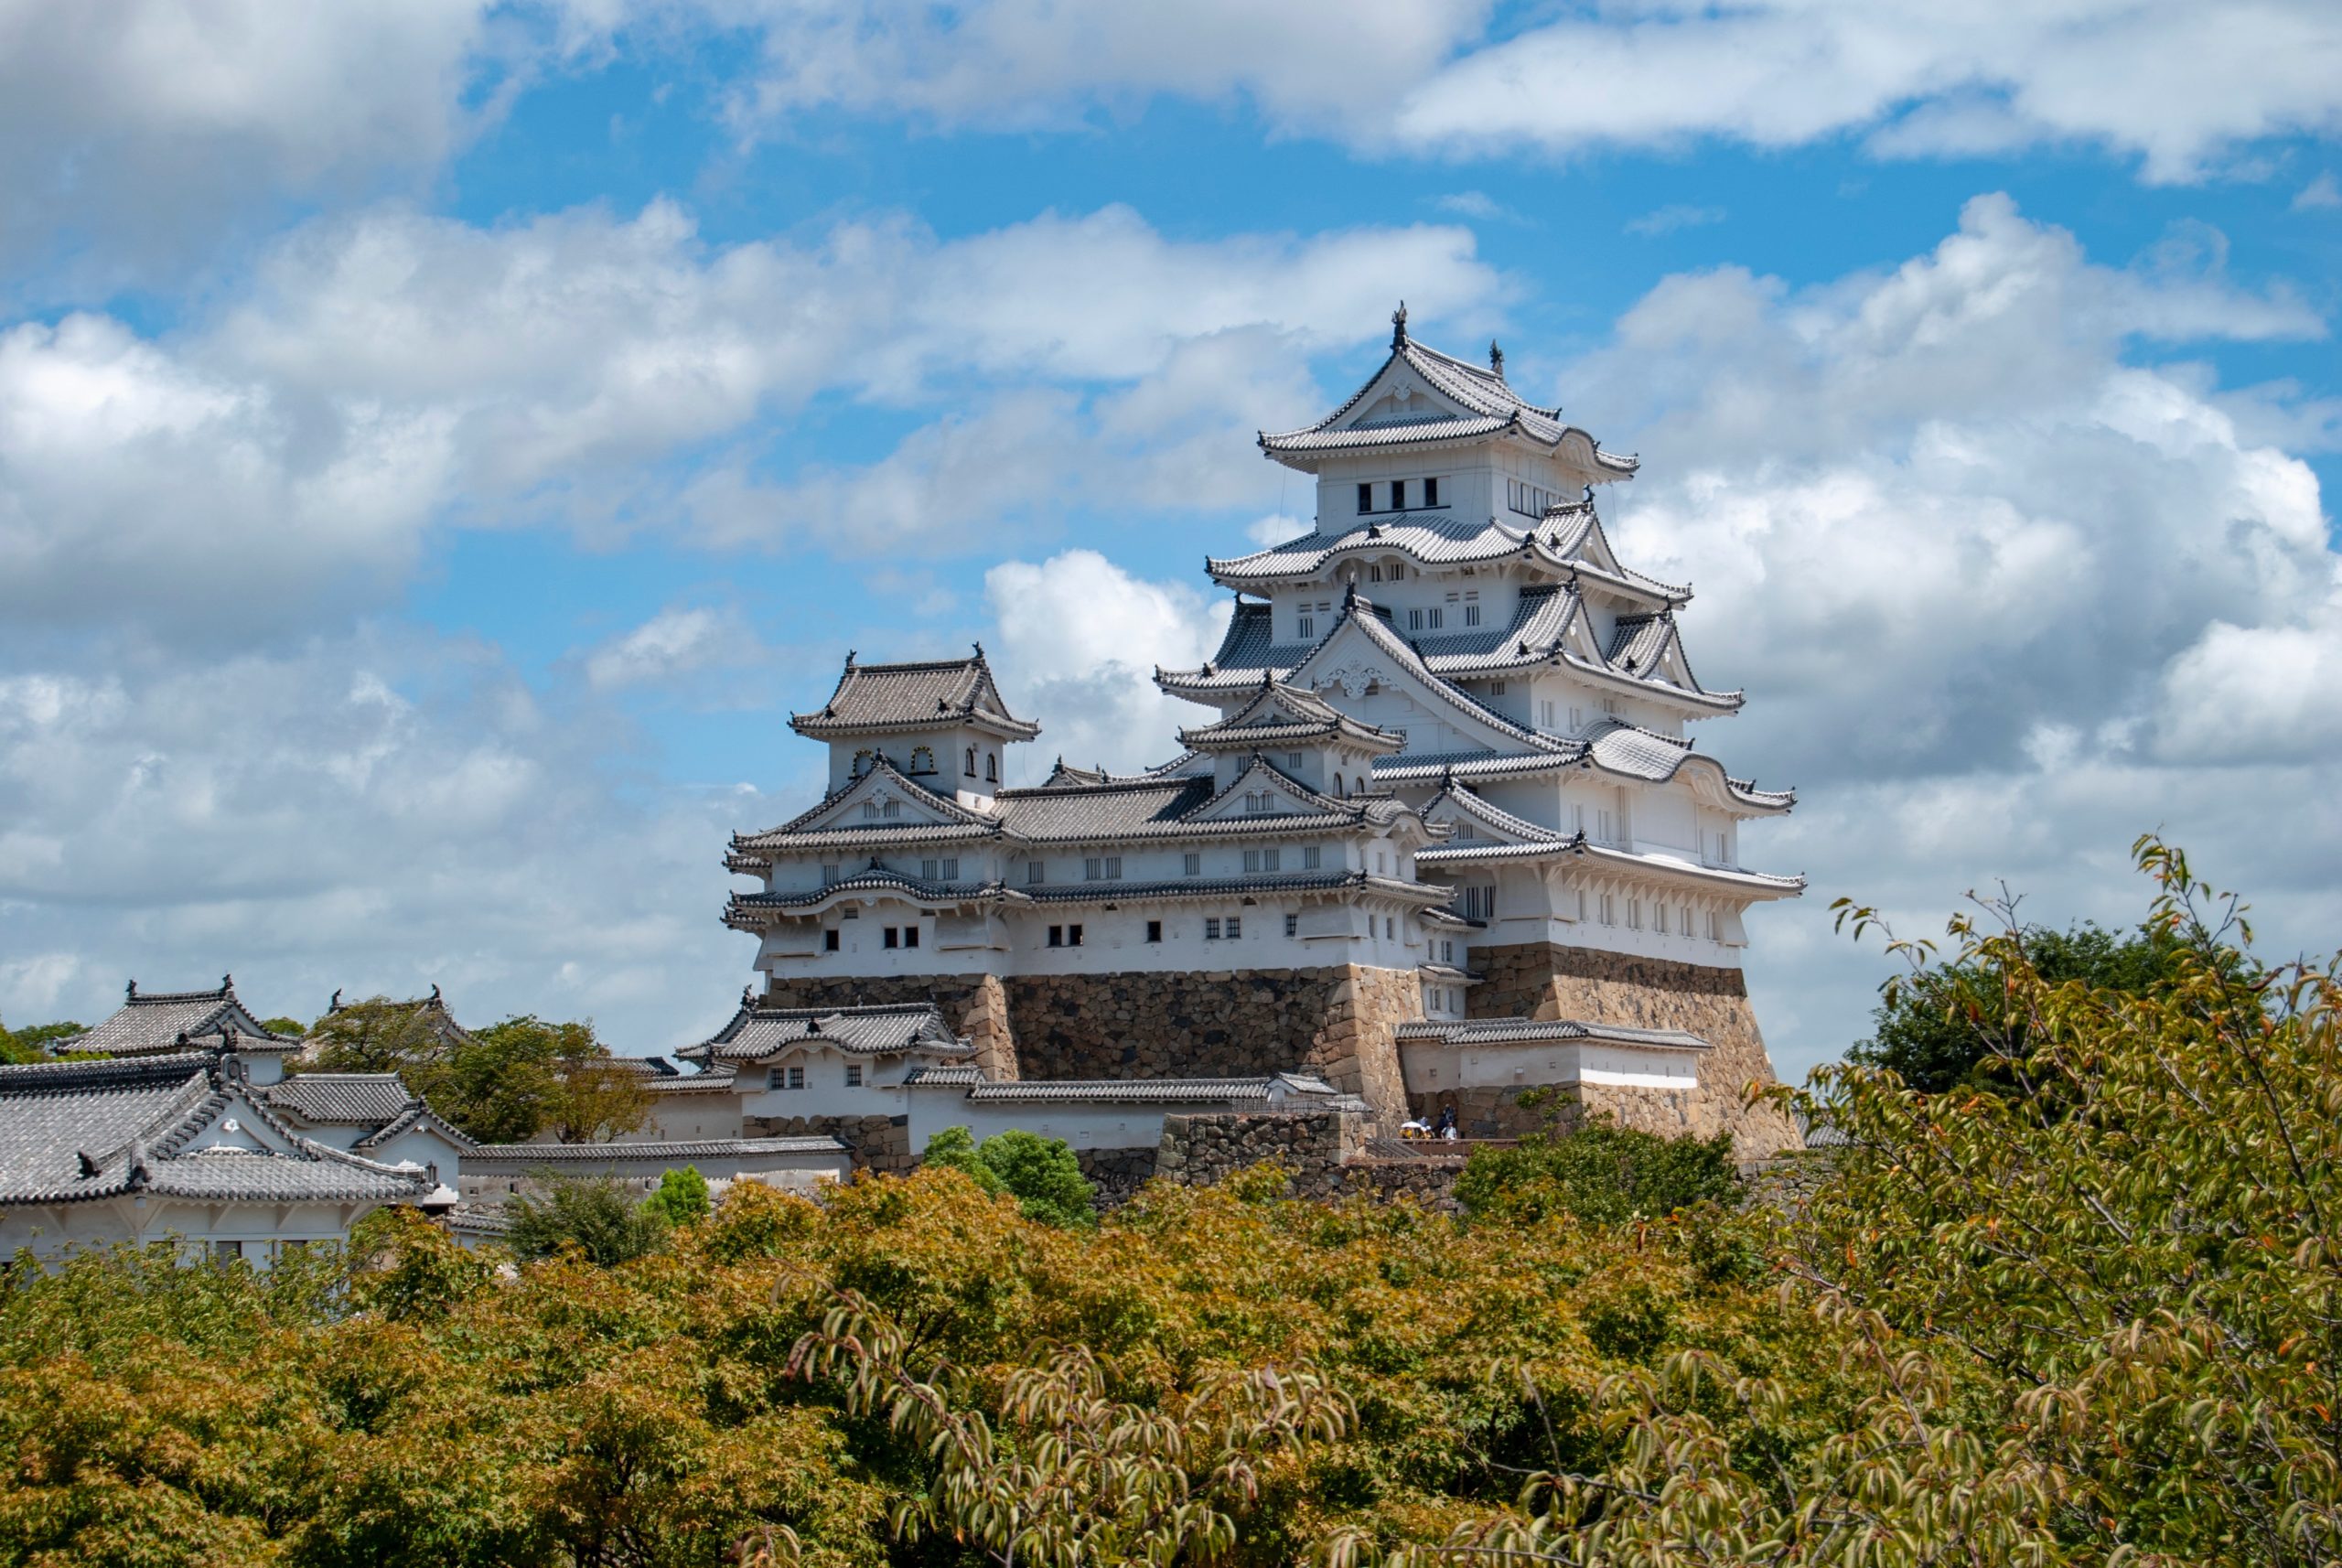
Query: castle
(1438,837)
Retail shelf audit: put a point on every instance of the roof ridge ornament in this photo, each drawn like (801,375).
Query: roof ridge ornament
(1399,327)
(130,994)
(1495,358)
(333,1003)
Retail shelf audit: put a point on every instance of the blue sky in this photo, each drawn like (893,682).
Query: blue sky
(439,444)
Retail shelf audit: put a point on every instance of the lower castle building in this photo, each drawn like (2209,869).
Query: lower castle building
(1439,835)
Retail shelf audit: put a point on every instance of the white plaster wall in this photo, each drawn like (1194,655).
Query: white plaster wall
(949,746)
(1430,1067)
(259,1228)
(1082,1126)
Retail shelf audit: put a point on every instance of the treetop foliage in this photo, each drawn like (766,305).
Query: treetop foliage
(1042,1173)
(2091,1319)
(503,1084)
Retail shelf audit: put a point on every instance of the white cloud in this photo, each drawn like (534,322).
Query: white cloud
(2003,596)
(2321,195)
(2173,83)
(1078,642)
(390,372)
(375,812)
(1670,219)
(671,643)
(144,127)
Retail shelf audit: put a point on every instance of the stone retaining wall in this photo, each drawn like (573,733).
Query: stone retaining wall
(877,1142)
(1545,979)
(1117,1174)
(1338,1021)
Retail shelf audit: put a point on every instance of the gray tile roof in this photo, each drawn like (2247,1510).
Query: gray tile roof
(960,823)
(1135,1090)
(74,1131)
(349,1098)
(1283,715)
(431,1010)
(1529,1031)
(1488,403)
(507,1157)
(418,1113)
(167,1022)
(881,699)
(758,1032)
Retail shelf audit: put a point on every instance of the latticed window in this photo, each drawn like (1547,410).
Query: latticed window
(1191,864)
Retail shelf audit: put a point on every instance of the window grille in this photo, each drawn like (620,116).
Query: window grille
(1235,926)
(951,869)
(1309,857)
(1191,864)
(1211,928)
(1292,925)
(854,1075)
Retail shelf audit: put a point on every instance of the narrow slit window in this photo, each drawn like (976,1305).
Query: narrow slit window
(1398,495)
(1155,930)
(1431,492)
(1365,499)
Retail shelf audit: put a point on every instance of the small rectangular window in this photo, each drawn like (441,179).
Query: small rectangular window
(1304,627)
(928,869)
(1292,925)
(829,940)
(1252,860)
(1155,930)
(1235,926)
(1398,495)
(1092,868)
(854,1075)
(1434,615)
(1365,499)
(227,1251)
(910,936)
(1431,492)
(1271,859)
(951,870)
(893,937)
(1471,615)
(1659,921)
(1034,874)
(1497,688)
(1056,936)
(1211,928)
(829,874)
(1073,936)
(1292,762)
(1310,856)
(1114,868)
(1191,864)
(1447,952)
(1414,620)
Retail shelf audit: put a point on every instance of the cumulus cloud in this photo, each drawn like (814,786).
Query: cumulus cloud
(2169,83)
(671,643)
(2003,595)
(139,129)
(2321,195)
(390,372)
(1079,640)
(376,811)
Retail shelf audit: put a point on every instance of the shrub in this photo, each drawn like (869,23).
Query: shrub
(1043,1175)
(682,1198)
(595,1215)
(1602,1174)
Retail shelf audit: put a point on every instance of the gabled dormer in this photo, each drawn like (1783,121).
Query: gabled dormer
(1306,737)
(941,722)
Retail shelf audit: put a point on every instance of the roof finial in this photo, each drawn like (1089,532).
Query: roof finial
(748,998)
(130,994)
(334,1005)
(1399,326)
(1495,358)
(227,982)
(849,658)
(814,1025)
(980,650)
(1349,595)
(435,992)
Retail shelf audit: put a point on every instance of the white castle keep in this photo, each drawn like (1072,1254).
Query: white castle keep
(1439,835)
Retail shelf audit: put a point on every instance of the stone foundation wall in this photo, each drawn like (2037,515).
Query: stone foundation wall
(975,1006)
(1338,1021)
(880,1143)
(1324,1155)
(1117,1174)
(1544,979)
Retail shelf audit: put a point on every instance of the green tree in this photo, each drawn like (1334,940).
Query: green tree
(595,1215)
(503,1084)
(682,1198)
(377,1034)
(1602,1174)
(1940,1026)
(1043,1175)
(33,1042)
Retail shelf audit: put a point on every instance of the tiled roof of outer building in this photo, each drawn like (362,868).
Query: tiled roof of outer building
(1525,1031)
(167,1022)
(504,1157)
(879,699)
(757,1031)
(1140,1090)
(73,1131)
(1489,405)
(347,1099)
(431,1011)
